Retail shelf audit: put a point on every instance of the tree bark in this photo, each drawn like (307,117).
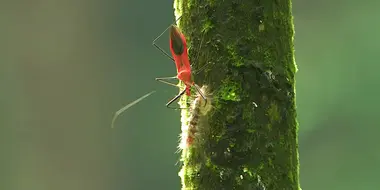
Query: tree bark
(246,133)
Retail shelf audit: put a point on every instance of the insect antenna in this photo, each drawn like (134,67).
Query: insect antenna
(121,110)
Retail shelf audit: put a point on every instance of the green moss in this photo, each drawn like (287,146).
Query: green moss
(230,91)
(261,27)
(212,3)
(207,26)
(236,59)
(273,113)
(269,127)
(251,130)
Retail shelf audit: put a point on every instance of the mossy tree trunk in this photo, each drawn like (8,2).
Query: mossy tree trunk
(249,138)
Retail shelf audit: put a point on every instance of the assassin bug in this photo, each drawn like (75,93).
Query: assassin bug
(178,48)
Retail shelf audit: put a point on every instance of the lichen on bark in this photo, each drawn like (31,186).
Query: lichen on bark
(248,140)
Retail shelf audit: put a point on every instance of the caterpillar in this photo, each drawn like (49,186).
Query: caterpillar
(196,114)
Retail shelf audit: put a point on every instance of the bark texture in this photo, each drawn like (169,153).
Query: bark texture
(246,133)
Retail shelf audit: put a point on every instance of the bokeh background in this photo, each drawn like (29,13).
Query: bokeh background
(67,65)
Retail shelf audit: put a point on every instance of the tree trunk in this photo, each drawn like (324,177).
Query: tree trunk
(245,135)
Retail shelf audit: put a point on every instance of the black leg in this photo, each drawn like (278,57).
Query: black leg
(158,47)
(200,93)
(174,99)
(201,69)
(162,79)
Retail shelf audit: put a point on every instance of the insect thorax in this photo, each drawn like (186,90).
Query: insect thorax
(185,77)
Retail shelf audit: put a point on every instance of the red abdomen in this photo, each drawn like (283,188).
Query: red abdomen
(178,48)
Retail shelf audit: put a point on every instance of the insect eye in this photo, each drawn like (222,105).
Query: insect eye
(177,43)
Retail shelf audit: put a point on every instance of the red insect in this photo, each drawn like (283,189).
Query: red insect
(180,57)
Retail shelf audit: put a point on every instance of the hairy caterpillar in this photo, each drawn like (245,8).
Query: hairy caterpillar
(196,114)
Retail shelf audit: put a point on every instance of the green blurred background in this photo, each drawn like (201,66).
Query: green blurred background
(67,65)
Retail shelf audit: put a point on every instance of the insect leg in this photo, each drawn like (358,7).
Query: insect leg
(202,68)
(158,47)
(200,93)
(198,55)
(196,72)
(175,98)
(162,79)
